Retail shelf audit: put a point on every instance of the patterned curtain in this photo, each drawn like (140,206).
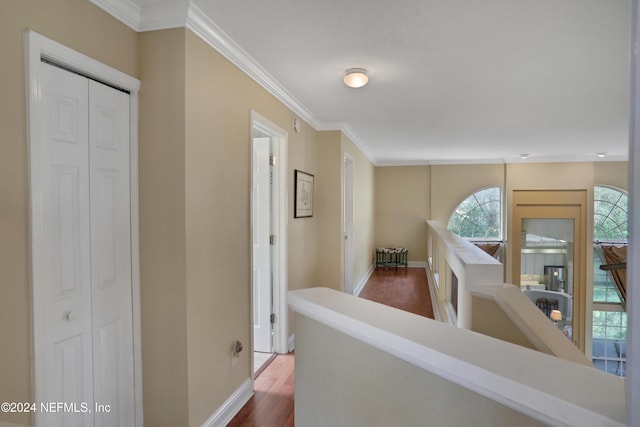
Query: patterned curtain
(616,259)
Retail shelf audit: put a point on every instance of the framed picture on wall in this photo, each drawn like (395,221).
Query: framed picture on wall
(303,204)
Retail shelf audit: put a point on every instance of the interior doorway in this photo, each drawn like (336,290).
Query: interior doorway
(269,240)
(549,255)
(348,220)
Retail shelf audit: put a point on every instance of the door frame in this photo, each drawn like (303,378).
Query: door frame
(37,48)
(577,200)
(279,143)
(348,194)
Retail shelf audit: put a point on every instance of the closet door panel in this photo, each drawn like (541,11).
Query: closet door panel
(63,357)
(111,255)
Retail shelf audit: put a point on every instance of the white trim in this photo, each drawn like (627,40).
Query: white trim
(347,159)
(163,16)
(39,47)
(452,316)
(439,310)
(291,342)
(280,211)
(214,36)
(126,11)
(231,406)
(633,272)
(188,15)
(363,281)
(135,256)
(357,141)
(417,264)
(385,163)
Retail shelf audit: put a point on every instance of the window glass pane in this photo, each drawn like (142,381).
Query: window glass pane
(609,327)
(604,290)
(610,341)
(478,215)
(610,214)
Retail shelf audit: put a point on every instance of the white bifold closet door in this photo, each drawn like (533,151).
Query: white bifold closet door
(82,301)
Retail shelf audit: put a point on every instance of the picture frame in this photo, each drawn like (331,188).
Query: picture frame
(303,202)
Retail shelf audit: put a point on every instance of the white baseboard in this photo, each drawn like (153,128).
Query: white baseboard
(232,406)
(364,280)
(417,264)
(291,342)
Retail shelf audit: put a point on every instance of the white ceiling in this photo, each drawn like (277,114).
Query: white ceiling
(452,81)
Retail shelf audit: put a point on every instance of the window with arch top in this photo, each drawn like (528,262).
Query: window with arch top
(609,321)
(609,214)
(479,215)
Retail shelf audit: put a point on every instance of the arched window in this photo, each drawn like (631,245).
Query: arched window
(479,215)
(609,214)
(609,330)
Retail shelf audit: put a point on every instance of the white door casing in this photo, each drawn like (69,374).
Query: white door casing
(260,127)
(71,338)
(348,225)
(261,229)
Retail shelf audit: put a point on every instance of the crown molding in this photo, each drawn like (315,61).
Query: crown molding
(187,14)
(207,30)
(163,16)
(358,142)
(126,11)
(389,163)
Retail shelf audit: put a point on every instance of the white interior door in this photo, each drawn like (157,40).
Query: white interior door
(348,226)
(111,254)
(62,270)
(261,218)
(82,311)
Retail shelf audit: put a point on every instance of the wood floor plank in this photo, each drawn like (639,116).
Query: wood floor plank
(272,402)
(406,289)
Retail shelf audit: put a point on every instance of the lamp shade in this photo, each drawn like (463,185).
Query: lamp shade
(556,315)
(356,77)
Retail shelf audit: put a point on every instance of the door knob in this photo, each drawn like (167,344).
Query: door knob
(70,315)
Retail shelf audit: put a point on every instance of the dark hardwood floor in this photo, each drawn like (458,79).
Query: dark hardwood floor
(407,289)
(272,403)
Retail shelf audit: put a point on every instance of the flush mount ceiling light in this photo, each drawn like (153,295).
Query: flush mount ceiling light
(355,77)
(601,155)
(524,155)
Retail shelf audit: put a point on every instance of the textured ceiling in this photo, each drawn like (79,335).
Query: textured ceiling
(450,81)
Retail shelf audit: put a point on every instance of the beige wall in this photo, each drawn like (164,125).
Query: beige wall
(331,150)
(87,29)
(163,273)
(451,184)
(489,319)
(218,246)
(328,202)
(401,208)
(614,174)
(205,286)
